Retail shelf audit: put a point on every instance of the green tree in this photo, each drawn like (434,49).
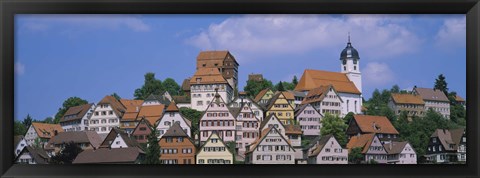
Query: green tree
(171,86)
(348,117)
(254,87)
(116,96)
(441,84)
(152,155)
(332,124)
(355,156)
(67,154)
(231,145)
(19,128)
(37,143)
(395,89)
(27,121)
(280,87)
(151,86)
(48,120)
(295,81)
(194,116)
(70,102)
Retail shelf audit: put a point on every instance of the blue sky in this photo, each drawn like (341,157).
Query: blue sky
(90,56)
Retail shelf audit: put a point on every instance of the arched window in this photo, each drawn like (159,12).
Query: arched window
(344,68)
(354,67)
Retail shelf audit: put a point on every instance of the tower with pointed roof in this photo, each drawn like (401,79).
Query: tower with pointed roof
(350,64)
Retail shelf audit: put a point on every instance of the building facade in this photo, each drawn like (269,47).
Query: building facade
(41,132)
(281,107)
(214,151)
(243,98)
(435,100)
(411,103)
(309,120)
(371,146)
(447,146)
(247,127)
(271,148)
(224,61)
(176,147)
(205,84)
(327,151)
(77,118)
(217,118)
(172,115)
(107,115)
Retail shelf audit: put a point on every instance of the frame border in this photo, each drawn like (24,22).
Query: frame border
(8,9)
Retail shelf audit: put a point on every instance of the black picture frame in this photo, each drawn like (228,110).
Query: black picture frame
(8,9)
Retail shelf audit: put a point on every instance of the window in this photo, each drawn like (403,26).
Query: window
(110,112)
(199,103)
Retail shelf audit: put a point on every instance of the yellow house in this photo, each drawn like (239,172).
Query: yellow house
(264,96)
(281,107)
(214,151)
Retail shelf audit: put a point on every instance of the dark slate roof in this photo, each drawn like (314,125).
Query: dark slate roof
(447,137)
(38,154)
(175,131)
(432,94)
(181,99)
(160,98)
(77,137)
(76,112)
(349,52)
(186,85)
(265,121)
(394,147)
(320,144)
(107,155)
(17,139)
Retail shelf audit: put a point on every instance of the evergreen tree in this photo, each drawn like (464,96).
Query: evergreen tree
(152,155)
(280,86)
(295,80)
(441,84)
(116,96)
(19,128)
(27,121)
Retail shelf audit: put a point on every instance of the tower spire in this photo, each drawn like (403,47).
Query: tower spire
(348,37)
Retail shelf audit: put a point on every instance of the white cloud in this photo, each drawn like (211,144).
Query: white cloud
(452,33)
(84,22)
(377,74)
(375,36)
(19,68)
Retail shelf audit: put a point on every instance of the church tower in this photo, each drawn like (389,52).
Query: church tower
(351,64)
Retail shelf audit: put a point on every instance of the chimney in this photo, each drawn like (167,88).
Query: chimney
(374,126)
(391,143)
(55,132)
(137,109)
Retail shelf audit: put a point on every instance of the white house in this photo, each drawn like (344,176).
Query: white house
(171,116)
(107,115)
(243,98)
(325,99)
(19,144)
(204,85)
(271,148)
(400,153)
(309,119)
(41,132)
(327,150)
(77,118)
(247,126)
(30,155)
(217,118)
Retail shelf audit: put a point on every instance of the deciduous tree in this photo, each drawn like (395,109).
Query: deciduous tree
(151,86)
(254,87)
(67,154)
(332,124)
(70,102)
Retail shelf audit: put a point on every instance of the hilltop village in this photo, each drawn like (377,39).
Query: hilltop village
(273,126)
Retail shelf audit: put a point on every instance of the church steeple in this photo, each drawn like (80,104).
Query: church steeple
(350,63)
